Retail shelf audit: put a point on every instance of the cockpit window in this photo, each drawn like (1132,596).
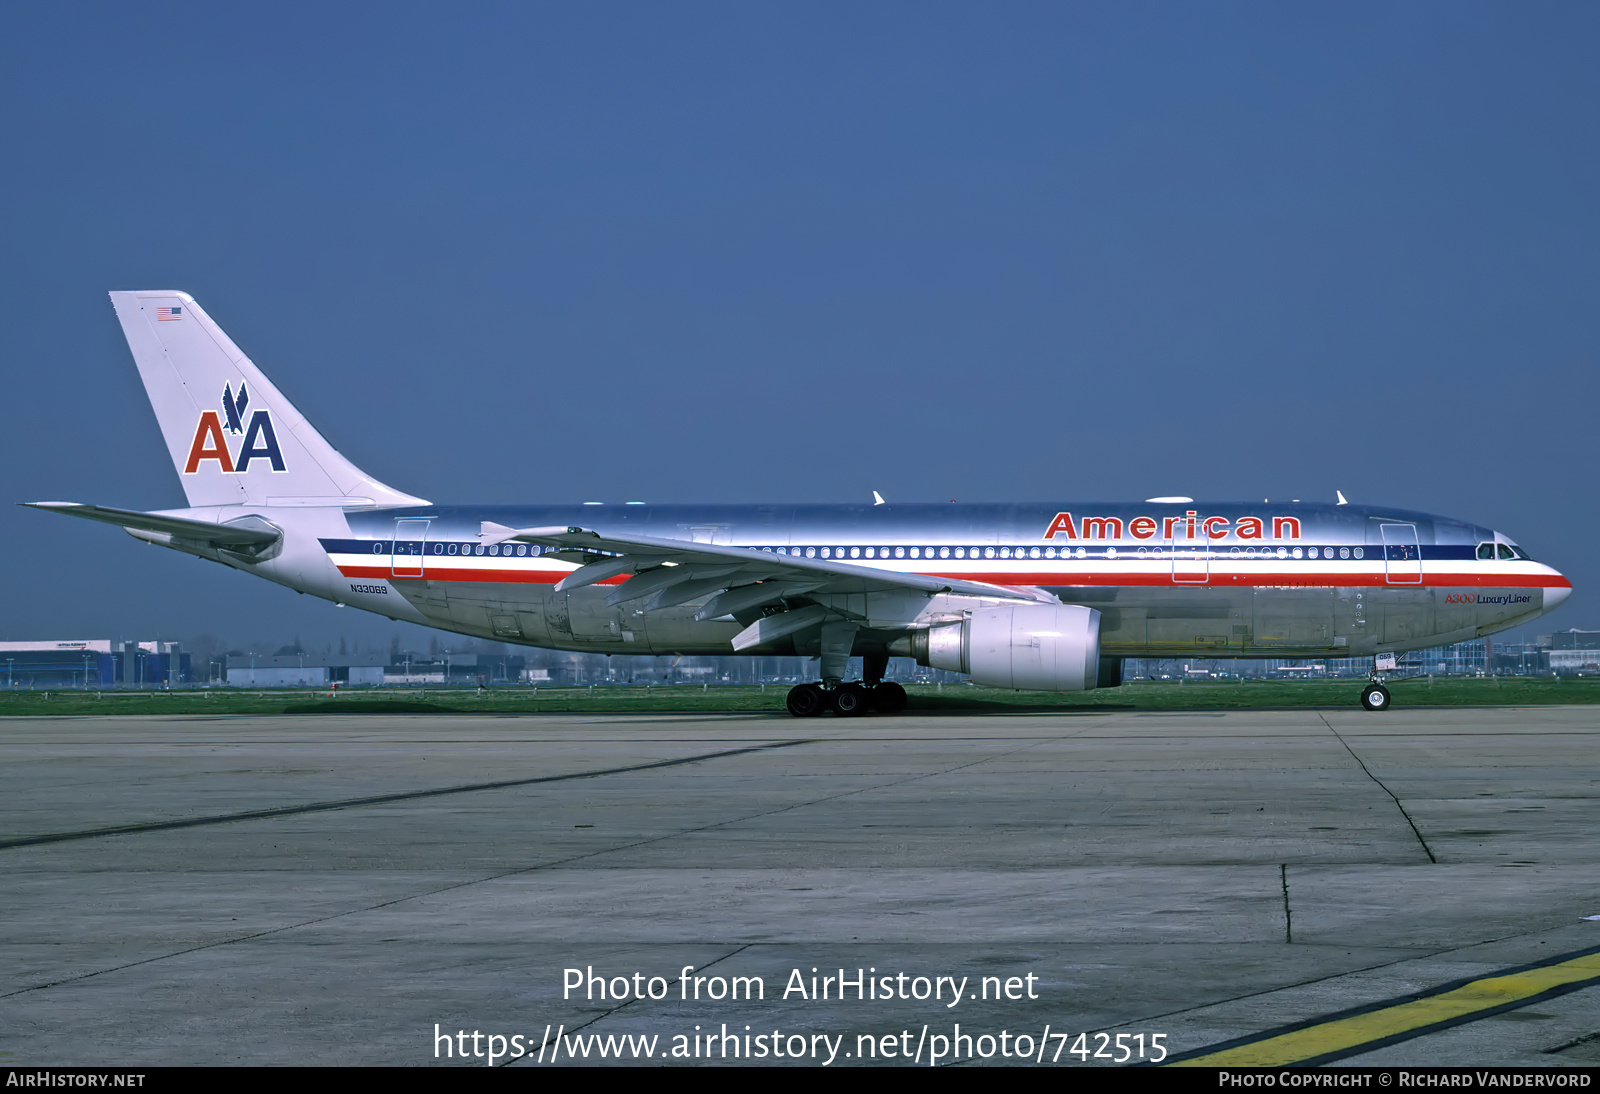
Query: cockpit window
(1507,552)
(1486,551)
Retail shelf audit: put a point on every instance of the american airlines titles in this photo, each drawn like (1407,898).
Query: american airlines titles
(1189,526)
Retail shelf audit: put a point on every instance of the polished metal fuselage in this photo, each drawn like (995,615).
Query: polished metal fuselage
(1219,580)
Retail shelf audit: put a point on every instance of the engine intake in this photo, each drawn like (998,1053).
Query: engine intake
(1031,647)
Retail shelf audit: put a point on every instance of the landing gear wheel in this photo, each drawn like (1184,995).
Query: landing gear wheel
(849,700)
(806,701)
(889,697)
(1375,697)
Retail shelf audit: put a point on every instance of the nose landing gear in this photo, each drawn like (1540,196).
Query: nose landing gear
(1375,697)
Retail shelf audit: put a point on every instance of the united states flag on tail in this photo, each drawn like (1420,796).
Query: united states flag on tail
(164,314)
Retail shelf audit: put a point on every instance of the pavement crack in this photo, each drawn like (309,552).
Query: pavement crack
(1397,804)
(1288,914)
(380,799)
(538,866)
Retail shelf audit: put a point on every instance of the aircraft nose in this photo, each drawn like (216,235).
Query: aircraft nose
(1556,595)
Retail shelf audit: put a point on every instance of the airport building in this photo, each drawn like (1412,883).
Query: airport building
(308,670)
(1572,652)
(93,663)
(300,670)
(1471,658)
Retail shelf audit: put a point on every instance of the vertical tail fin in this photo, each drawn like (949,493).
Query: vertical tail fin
(234,438)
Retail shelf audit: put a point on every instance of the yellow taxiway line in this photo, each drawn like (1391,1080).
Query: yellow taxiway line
(1349,1033)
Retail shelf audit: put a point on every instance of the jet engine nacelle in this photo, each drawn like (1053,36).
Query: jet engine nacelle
(1030,647)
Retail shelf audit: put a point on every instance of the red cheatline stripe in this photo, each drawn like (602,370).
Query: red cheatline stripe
(444,572)
(440,573)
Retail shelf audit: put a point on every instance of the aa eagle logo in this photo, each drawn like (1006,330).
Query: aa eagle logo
(260,442)
(235,410)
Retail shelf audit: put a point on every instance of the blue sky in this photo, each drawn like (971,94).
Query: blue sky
(754,252)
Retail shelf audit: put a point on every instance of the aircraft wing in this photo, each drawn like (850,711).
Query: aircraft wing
(255,534)
(667,572)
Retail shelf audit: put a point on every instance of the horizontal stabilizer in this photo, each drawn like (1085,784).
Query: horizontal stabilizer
(253,535)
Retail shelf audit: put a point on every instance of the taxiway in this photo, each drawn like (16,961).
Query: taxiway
(193,890)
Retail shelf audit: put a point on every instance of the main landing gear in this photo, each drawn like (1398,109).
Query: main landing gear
(846,700)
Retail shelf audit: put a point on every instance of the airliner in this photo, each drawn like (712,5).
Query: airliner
(1048,597)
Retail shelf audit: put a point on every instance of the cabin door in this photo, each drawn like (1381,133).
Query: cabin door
(1191,556)
(1402,558)
(410,538)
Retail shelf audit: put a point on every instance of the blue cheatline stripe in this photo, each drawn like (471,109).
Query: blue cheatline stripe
(983,552)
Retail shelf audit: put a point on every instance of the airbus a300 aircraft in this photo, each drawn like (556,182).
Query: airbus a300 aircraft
(1045,597)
